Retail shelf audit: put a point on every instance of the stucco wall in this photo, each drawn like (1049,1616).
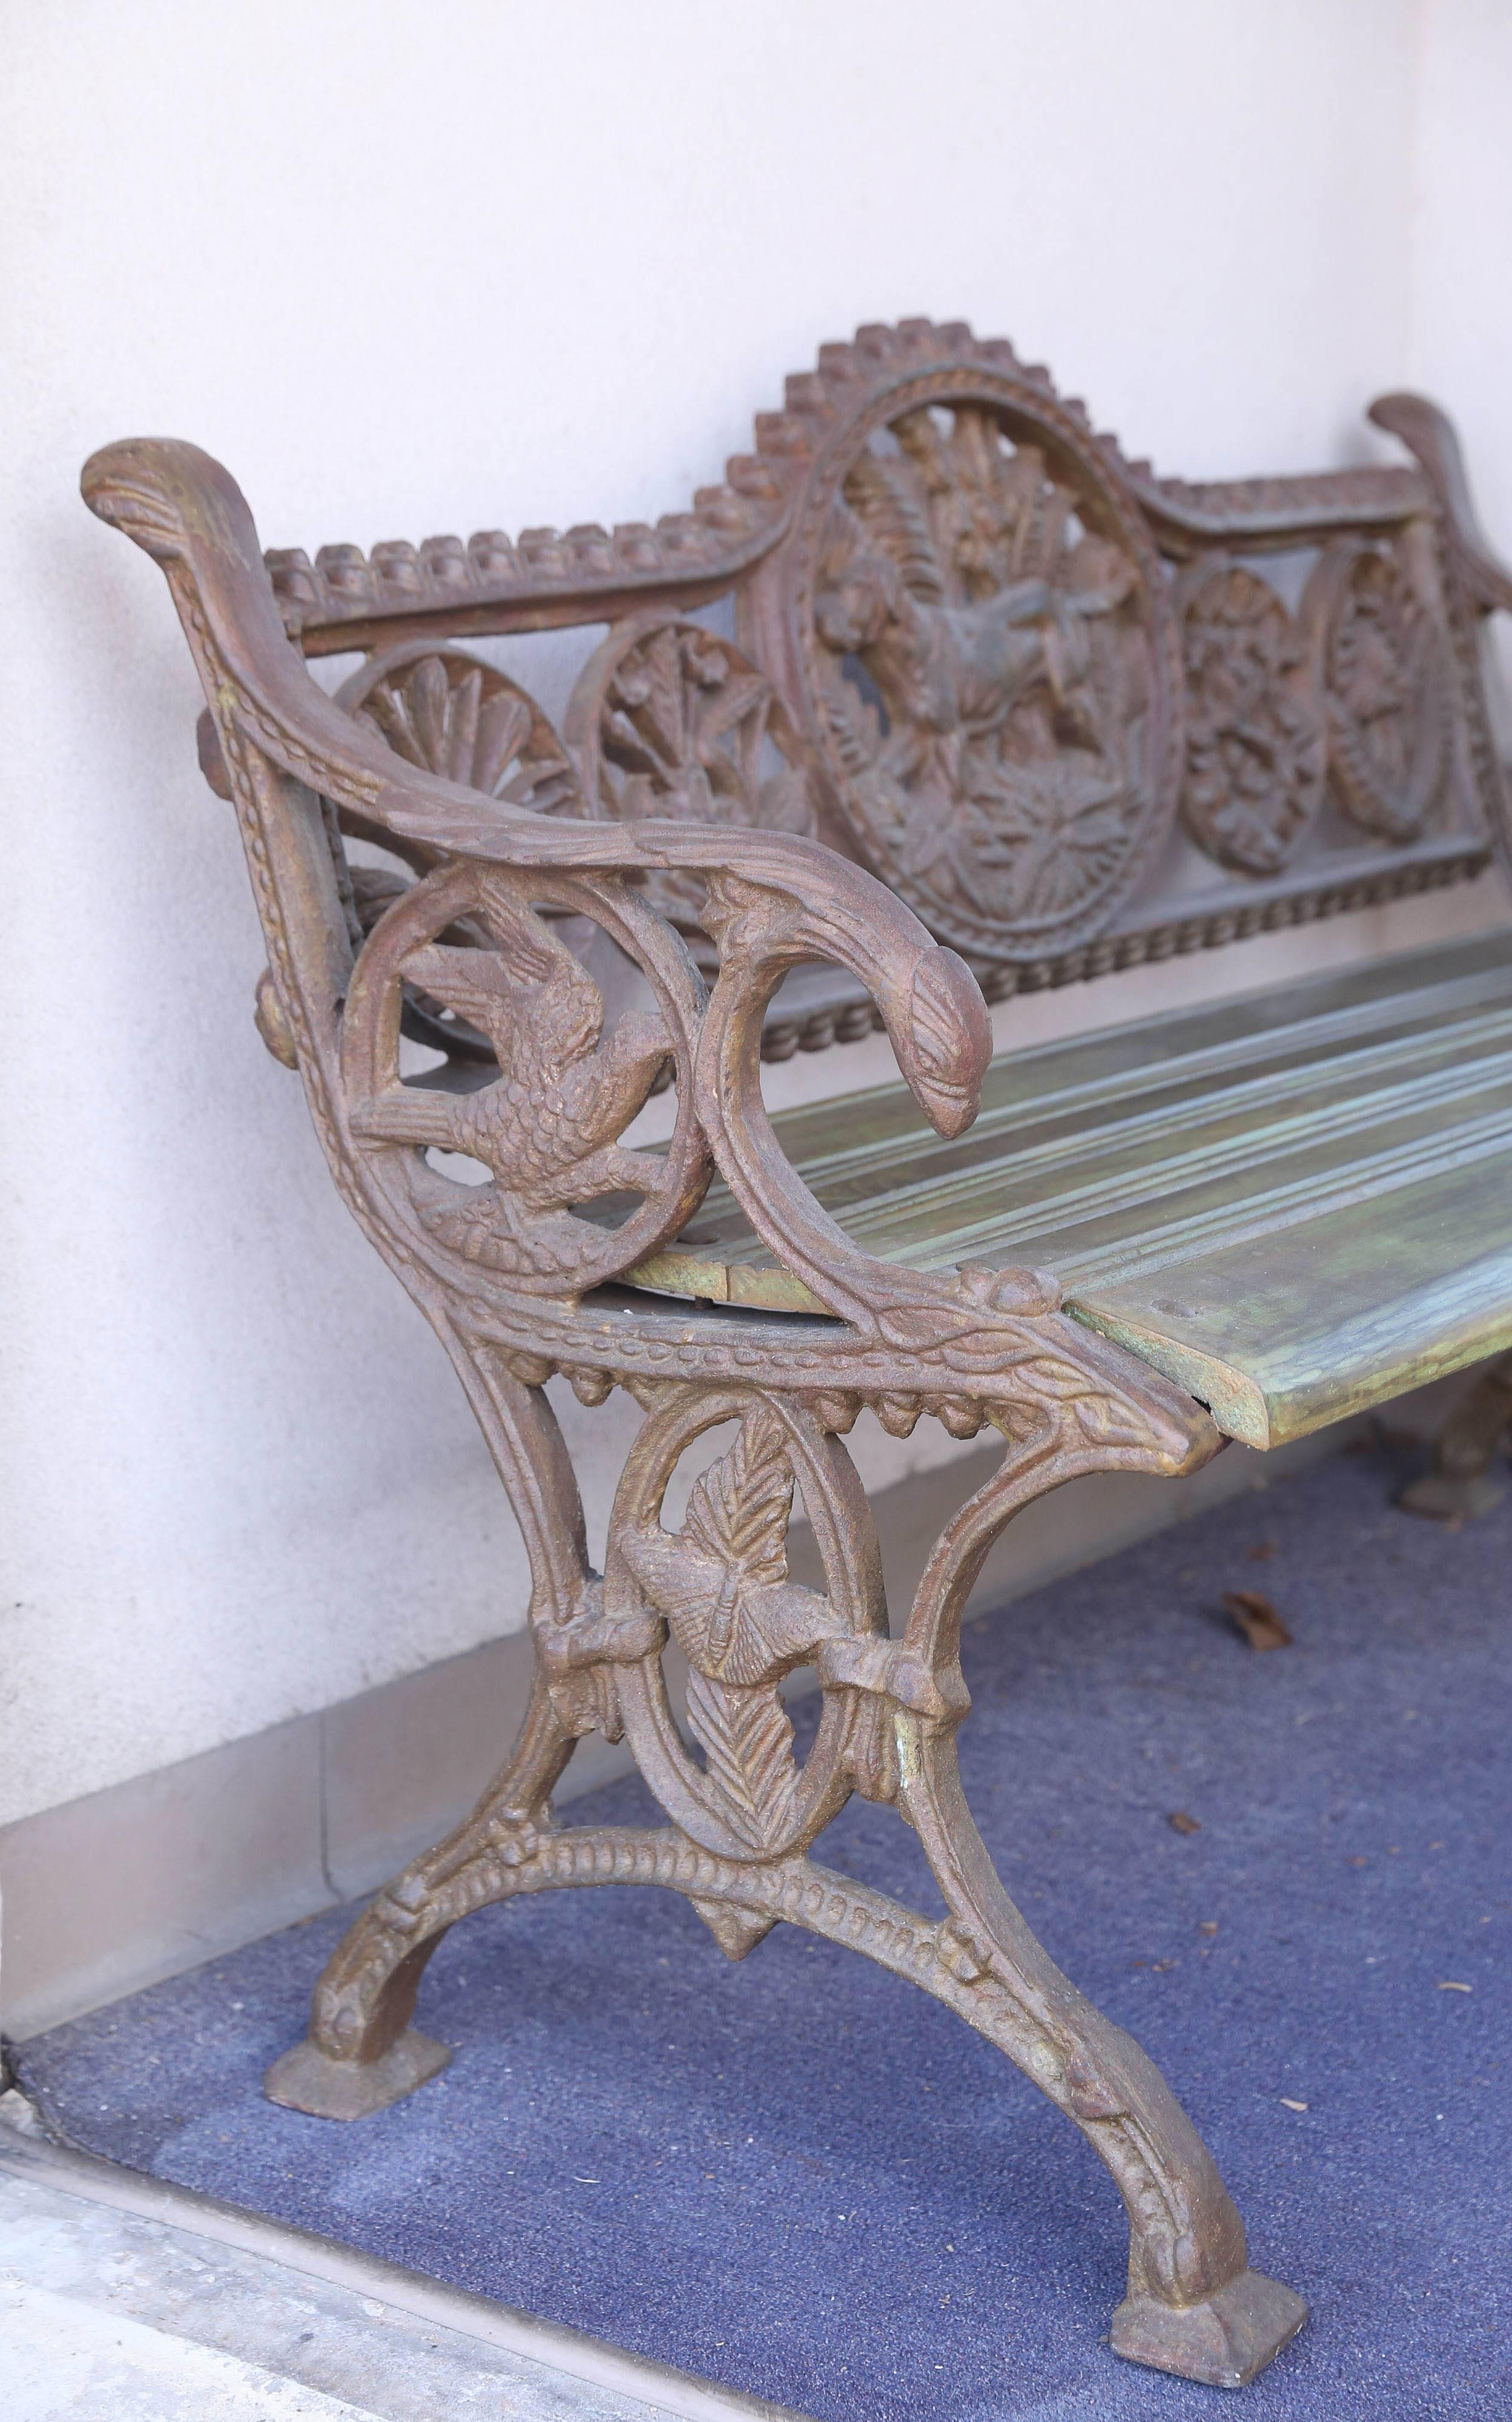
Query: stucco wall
(411,270)
(1460,336)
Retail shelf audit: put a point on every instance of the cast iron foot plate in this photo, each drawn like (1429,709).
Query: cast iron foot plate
(1225,2340)
(308,2079)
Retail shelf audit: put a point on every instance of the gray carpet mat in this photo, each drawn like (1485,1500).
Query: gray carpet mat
(803,2177)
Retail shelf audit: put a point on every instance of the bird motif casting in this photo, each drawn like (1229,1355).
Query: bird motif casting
(547,1127)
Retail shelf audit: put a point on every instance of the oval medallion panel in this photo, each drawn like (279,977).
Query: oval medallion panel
(986,656)
(1384,667)
(1256,745)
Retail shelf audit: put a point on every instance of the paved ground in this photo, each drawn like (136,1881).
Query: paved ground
(117,2305)
(802,2177)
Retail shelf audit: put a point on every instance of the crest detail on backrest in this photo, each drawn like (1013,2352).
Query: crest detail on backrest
(978,639)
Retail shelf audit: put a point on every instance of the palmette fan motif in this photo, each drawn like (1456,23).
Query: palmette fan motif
(444,711)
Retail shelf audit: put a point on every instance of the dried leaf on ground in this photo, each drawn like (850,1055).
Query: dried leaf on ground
(1257,1619)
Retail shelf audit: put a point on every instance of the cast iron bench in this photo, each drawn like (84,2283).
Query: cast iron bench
(938,697)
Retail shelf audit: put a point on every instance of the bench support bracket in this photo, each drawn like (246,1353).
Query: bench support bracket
(1458,1485)
(745,1812)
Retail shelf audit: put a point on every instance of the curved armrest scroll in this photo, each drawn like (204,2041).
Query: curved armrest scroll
(1428,432)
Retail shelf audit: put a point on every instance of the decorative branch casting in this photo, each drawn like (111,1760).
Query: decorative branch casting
(667,720)
(961,659)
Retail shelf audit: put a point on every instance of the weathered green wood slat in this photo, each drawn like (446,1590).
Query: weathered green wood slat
(1031,1164)
(1282,1333)
(883,1146)
(1293,1206)
(1216,1042)
(1131,1171)
(1057,1135)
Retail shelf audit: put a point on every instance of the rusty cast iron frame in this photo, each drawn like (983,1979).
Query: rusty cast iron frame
(518,843)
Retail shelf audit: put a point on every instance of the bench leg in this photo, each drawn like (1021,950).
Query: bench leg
(1458,1485)
(362,2053)
(1193,2306)
(744,1820)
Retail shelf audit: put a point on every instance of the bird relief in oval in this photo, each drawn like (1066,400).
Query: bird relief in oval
(992,693)
(547,1129)
(575,1055)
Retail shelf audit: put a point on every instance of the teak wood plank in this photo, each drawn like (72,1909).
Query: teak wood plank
(1290,1203)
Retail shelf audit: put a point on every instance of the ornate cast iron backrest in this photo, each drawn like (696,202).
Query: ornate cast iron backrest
(1076,716)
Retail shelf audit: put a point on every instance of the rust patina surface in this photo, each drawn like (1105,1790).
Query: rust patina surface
(940,697)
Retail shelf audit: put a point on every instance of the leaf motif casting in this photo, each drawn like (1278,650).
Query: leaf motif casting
(685,725)
(738,1514)
(722,1581)
(670,720)
(747,1740)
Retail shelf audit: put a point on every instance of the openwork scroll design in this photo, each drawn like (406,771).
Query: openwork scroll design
(1385,668)
(743,1821)
(487,936)
(984,677)
(668,719)
(1256,740)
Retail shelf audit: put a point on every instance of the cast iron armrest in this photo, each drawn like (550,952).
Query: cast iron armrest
(1426,430)
(775,900)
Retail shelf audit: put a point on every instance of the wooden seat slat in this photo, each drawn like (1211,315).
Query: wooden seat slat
(1404,996)
(1129,1162)
(883,1145)
(1291,1329)
(1150,1154)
